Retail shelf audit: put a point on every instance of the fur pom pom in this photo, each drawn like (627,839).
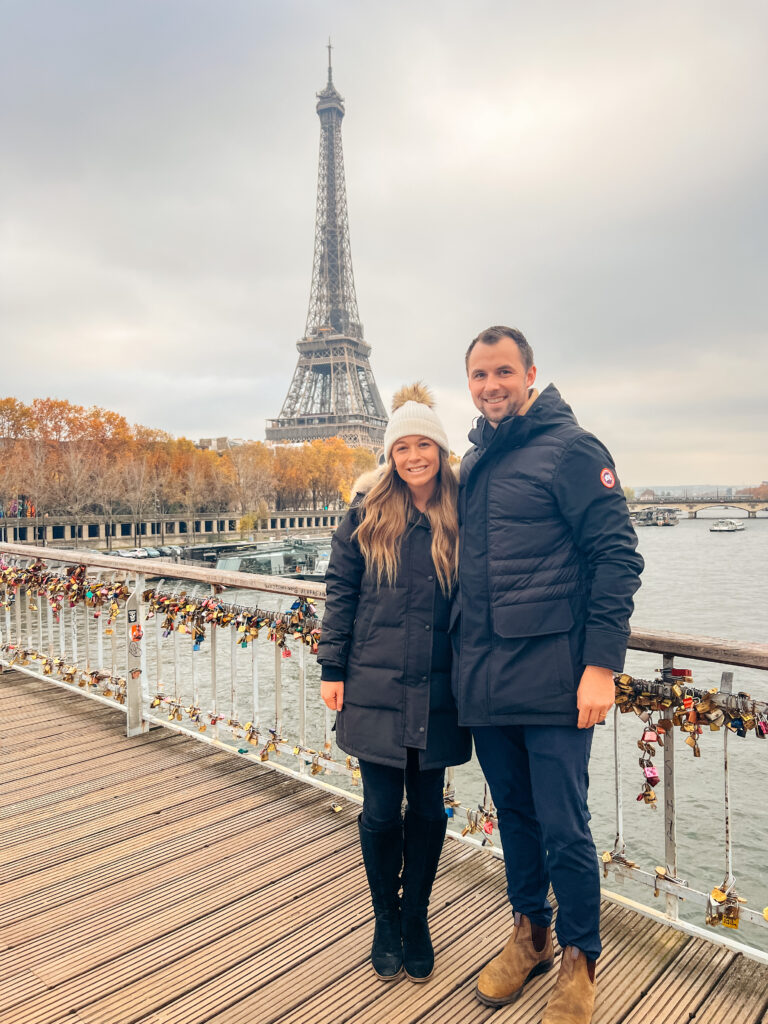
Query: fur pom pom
(418,392)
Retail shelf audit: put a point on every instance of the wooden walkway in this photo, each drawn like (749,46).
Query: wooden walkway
(161,881)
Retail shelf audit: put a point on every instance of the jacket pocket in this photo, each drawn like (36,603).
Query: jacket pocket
(529,620)
(531,658)
(362,626)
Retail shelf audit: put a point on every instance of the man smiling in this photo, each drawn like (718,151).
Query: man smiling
(547,571)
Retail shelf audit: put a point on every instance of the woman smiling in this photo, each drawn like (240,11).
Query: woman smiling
(385,656)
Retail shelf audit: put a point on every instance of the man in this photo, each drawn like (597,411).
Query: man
(547,571)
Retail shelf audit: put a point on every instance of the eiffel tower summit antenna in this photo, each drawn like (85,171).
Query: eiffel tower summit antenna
(333,392)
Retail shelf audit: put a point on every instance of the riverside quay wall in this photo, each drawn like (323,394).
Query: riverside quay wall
(126,532)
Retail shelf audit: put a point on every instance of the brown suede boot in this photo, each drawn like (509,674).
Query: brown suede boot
(527,953)
(573,998)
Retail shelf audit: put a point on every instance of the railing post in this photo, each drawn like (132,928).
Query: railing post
(278,692)
(133,644)
(62,632)
(214,683)
(670,825)
(73,633)
(255,700)
(30,640)
(618,845)
(40,639)
(726,686)
(100,641)
(87,638)
(17,616)
(49,620)
(158,636)
(302,704)
(233,674)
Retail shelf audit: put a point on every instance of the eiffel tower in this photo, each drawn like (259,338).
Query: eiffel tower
(333,393)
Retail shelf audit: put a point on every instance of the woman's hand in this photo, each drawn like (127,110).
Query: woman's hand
(332,694)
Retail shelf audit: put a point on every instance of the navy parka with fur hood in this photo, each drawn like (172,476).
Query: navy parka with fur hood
(390,647)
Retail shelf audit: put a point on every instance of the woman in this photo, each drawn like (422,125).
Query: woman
(385,656)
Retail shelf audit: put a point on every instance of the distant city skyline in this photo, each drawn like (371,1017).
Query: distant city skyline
(593,175)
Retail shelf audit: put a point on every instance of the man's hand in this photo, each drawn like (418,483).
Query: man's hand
(333,695)
(595,696)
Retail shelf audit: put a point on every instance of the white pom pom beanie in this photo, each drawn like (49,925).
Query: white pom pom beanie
(413,413)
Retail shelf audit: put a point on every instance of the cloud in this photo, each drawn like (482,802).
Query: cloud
(594,175)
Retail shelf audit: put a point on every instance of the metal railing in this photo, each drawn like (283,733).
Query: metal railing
(692,710)
(180,652)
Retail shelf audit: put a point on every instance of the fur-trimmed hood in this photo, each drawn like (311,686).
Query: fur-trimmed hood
(366,481)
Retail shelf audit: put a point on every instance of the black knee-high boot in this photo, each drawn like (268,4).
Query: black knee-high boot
(383,858)
(421,855)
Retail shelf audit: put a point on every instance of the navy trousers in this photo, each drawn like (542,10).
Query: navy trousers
(383,792)
(538,777)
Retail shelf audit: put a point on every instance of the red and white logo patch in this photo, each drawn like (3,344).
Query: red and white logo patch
(607,479)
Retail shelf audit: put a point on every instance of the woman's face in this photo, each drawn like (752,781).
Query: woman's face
(417,461)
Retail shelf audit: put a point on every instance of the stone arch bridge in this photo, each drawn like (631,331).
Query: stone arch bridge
(749,505)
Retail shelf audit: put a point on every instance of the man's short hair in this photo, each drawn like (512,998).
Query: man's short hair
(491,335)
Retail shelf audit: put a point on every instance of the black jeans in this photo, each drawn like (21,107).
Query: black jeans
(383,792)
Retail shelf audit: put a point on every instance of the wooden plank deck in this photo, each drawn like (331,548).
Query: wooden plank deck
(161,880)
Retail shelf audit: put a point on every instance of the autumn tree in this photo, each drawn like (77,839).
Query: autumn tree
(363,461)
(75,479)
(16,420)
(330,467)
(253,475)
(10,454)
(65,458)
(197,481)
(292,467)
(164,486)
(760,491)
(107,488)
(221,481)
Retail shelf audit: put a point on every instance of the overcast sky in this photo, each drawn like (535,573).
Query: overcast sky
(594,174)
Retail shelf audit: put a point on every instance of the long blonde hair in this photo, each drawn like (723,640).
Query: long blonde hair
(386,510)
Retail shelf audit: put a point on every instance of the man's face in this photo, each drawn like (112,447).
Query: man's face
(498,381)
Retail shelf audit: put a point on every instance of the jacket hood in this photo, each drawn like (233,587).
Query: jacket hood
(547,411)
(367,480)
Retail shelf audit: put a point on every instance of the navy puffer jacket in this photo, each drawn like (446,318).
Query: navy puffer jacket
(390,647)
(548,567)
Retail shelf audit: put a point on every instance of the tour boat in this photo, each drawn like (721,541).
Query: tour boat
(726,526)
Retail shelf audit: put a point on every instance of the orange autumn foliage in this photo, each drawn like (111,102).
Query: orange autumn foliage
(59,458)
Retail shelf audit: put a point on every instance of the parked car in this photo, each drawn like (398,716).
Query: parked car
(170,551)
